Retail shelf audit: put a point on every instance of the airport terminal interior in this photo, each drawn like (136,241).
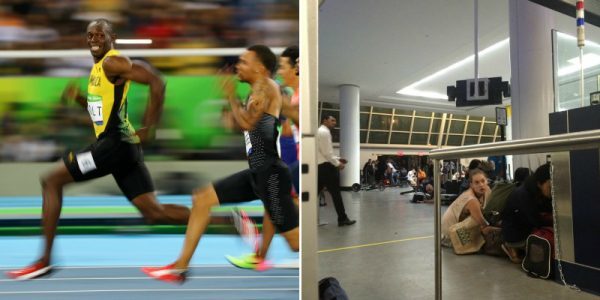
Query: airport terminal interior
(404,86)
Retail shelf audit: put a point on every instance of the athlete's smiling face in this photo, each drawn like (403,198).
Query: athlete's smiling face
(99,39)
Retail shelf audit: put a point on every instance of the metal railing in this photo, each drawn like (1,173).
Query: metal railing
(555,143)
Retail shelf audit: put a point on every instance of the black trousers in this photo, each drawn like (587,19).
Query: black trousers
(329,177)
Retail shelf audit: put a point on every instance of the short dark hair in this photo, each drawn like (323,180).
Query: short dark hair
(326,117)
(542,173)
(521,174)
(474,164)
(266,57)
(292,54)
(540,176)
(105,23)
(487,167)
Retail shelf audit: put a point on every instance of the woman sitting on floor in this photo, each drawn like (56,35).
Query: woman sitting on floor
(469,203)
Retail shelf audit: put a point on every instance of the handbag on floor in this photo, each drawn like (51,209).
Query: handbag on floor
(539,253)
(466,236)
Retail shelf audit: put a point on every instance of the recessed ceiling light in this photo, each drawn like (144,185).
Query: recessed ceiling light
(412,90)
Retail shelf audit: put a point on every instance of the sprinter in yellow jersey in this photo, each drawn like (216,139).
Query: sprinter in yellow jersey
(117,150)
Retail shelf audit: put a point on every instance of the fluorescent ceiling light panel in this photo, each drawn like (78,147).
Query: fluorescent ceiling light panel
(570,37)
(424,94)
(589,60)
(567,36)
(134,41)
(412,90)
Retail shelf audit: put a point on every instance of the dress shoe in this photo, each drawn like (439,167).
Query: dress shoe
(346,222)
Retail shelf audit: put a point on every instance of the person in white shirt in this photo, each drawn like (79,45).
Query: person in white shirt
(392,173)
(329,168)
(412,177)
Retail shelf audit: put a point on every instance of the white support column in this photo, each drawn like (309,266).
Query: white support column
(532,90)
(309,81)
(350,134)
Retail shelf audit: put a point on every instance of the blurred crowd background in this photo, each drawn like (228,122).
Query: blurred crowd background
(36,124)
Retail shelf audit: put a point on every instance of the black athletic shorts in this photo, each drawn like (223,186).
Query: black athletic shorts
(272,184)
(110,155)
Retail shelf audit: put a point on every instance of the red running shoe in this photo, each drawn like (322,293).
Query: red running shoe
(34,271)
(246,228)
(167,273)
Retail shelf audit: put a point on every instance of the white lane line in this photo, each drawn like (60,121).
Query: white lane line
(290,265)
(125,267)
(148,278)
(152,291)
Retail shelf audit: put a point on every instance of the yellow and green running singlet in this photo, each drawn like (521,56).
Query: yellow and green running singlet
(107,103)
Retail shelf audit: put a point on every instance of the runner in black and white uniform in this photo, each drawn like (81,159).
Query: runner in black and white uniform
(267,178)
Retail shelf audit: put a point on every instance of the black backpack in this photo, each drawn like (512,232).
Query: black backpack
(330,289)
(539,257)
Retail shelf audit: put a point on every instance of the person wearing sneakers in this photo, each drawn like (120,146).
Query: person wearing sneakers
(117,150)
(288,70)
(267,177)
(527,208)
(248,231)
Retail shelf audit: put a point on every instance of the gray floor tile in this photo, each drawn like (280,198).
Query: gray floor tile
(405,269)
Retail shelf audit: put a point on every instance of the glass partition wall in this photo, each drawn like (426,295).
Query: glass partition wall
(379,125)
(567,76)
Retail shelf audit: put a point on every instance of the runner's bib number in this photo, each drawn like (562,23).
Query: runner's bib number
(86,163)
(95,109)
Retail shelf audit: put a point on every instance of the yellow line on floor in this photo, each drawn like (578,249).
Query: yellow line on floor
(375,244)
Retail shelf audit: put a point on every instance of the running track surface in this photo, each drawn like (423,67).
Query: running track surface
(108,266)
(208,282)
(104,206)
